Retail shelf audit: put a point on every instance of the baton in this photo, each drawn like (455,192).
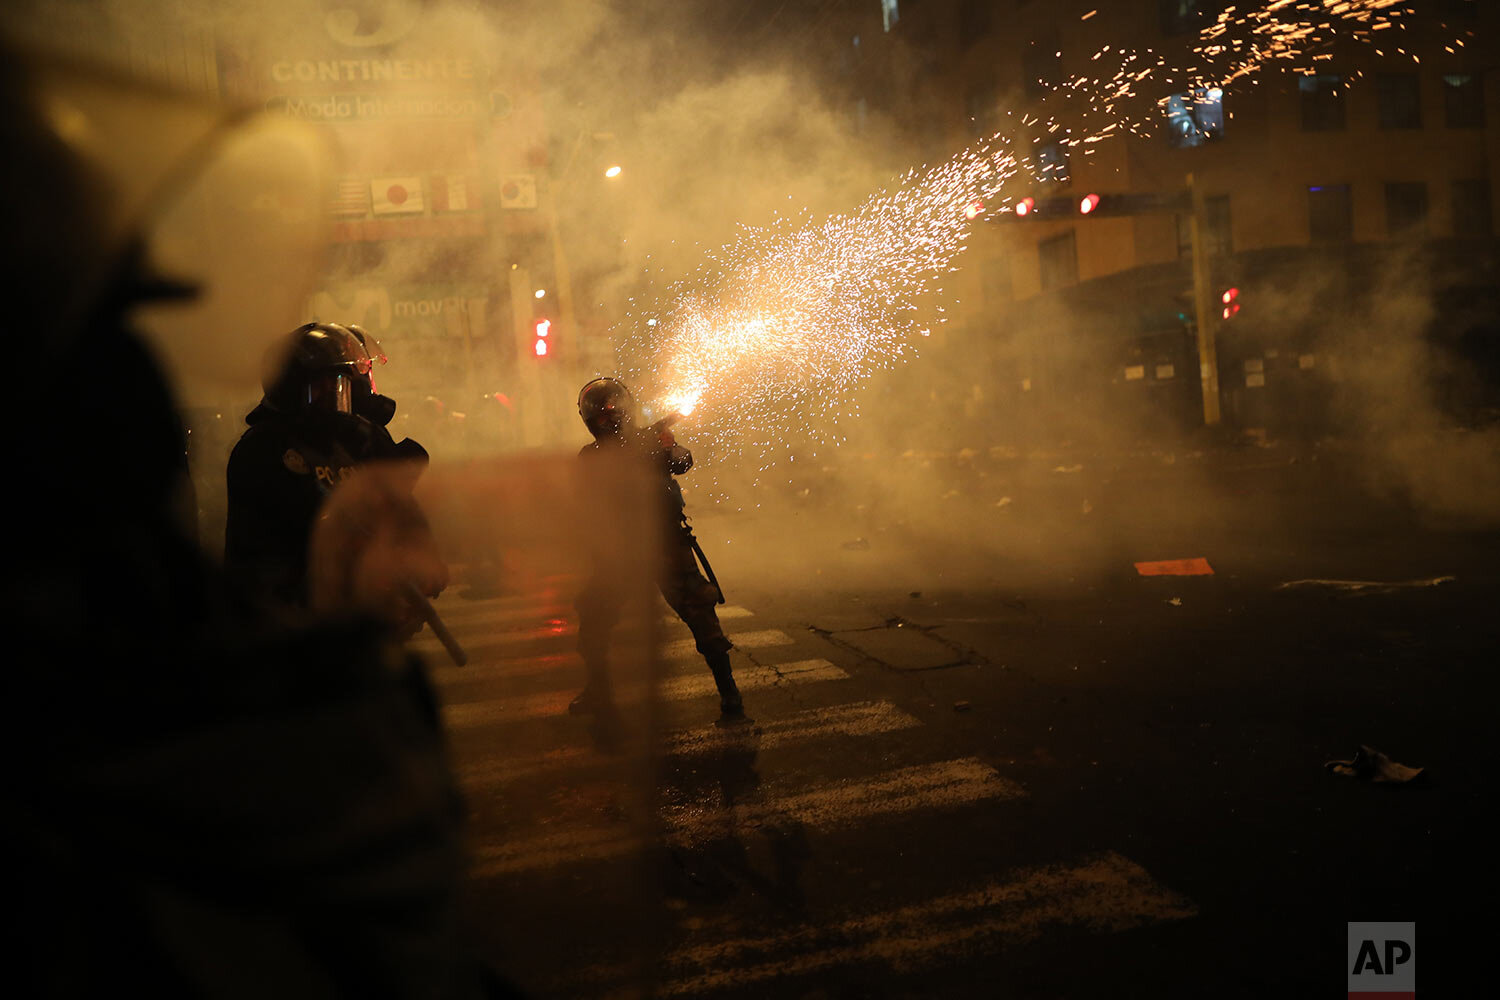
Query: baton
(435,622)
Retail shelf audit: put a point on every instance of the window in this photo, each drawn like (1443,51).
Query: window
(1218,231)
(1195,117)
(981,102)
(974,19)
(1322,102)
(997,280)
(1406,208)
(1052,163)
(1463,100)
(1400,100)
(888,13)
(1041,66)
(1330,213)
(1059,260)
(1219,238)
(1184,236)
(1179,17)
(1472,212)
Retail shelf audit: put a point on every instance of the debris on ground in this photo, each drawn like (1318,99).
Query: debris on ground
(915,593)
(1197,566)
(1367,586)
(857,544)
(1088,508)
(1003,502)
(1176,602)
(1372,765)
(960,706)
(1068,468)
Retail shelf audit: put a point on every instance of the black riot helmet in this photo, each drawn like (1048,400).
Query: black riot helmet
(319,365)
(606,407)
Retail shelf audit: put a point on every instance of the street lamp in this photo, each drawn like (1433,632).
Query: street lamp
(613,171)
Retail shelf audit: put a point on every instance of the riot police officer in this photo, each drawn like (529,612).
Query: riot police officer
(608,410)
(320,419)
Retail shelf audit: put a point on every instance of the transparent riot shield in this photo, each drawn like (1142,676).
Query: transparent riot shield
(553,731)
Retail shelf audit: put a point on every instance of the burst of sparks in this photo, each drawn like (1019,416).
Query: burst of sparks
(775,329)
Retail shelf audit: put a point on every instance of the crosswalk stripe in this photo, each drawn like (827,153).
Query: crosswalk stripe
(1105,892)
(726,612)
(492,710)
(761,639)
(461,616)
(862,718)
(945,784)
(488,659)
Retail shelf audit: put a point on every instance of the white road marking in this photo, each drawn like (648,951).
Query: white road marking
(861,718)
(762,639)
(926,786)
(725,612)
(1104,893)
(495,710)
(487,657)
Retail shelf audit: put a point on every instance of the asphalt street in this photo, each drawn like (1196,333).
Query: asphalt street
(990,758)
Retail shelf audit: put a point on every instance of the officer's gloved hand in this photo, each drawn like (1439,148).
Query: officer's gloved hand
(371,546)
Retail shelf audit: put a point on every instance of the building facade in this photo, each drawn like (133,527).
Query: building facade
(1324,195)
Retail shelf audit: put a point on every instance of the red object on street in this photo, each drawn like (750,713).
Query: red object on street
(1175,567)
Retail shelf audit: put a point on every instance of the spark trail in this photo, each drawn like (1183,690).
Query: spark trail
(767,339)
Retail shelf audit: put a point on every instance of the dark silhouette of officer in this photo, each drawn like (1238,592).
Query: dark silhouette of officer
(213,803)
(608,410)
(321,418)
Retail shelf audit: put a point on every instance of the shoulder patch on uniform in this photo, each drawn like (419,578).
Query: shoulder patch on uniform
(293,460)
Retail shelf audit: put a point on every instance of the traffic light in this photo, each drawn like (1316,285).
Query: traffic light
(973,209)
(1231,300)
(542,334)
(1088,204)
(1030,209)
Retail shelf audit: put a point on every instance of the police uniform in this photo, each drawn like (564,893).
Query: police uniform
(279,473)
(691,595)
(295,453)
(212,804)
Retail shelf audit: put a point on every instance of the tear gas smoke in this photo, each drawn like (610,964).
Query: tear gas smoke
(773,330)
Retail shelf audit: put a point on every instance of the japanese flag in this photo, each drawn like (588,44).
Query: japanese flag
(396,195)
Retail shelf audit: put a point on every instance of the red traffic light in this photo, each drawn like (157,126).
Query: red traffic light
(973,209)
(543,329)
(1088,204)
(1230,298)
(541,348)
(1025,207)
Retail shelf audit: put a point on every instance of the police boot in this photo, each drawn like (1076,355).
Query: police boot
(596,695)
(731,705)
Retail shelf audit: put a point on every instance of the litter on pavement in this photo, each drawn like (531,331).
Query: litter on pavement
(1367,586)
(1175,567)
(1372,765)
